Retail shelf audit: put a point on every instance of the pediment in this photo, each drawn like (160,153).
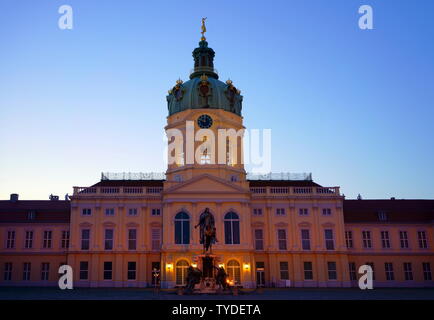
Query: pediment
(205,183)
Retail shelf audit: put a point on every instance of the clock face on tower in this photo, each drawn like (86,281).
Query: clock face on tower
(204,121)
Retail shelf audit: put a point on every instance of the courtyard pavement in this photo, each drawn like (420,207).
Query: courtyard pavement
(32,293)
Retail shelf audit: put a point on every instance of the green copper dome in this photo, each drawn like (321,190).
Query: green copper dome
(204,90)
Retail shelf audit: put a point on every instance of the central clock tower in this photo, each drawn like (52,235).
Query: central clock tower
(205,126)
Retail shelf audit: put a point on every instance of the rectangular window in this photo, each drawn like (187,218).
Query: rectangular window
(28,242)
(326,212)
(132,212)
(131,273)
(403,239)
(10,240)
(84,270)
(284,271)
(331,268)
(367,242)
(259,239)
(303,211)
(421,236)
(132,239)
(426,266)
(45,271)
(257,212)
(85,239)
(382,216)
(408,271)
(305,239)
(156,239)
(8,271)
(65,239)
(155,212)
(308,270)
(26,271)
(371,264)
(108,239)
(48,235)
(109,211)
(108,265)
(280,211)
(388,267)
(385,240)
(329,241)
(281,237)
(86,212)
(31,215)
(352,268)
(349,239)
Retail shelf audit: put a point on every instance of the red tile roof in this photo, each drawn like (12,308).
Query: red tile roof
(397,211)
(46,211)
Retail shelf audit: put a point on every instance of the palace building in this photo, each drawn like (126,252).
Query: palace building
(276,230)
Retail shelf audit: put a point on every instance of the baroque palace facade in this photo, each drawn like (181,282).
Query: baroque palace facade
(140,231)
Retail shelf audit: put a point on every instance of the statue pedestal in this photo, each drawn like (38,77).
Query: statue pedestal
(206,262)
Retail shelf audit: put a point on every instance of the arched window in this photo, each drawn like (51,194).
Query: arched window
(181,272)
(182,228)
(232,228)
(234,271)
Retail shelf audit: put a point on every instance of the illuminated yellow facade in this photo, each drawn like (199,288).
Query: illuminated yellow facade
(140,232)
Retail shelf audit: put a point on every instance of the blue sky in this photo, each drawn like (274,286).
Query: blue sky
(352,106)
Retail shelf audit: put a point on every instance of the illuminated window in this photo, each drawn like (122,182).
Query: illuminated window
(234,271)
(181,272)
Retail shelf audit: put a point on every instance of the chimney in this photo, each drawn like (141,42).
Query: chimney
(14,197)
(54,198)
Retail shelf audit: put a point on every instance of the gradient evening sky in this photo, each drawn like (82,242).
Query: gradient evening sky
(354,107)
